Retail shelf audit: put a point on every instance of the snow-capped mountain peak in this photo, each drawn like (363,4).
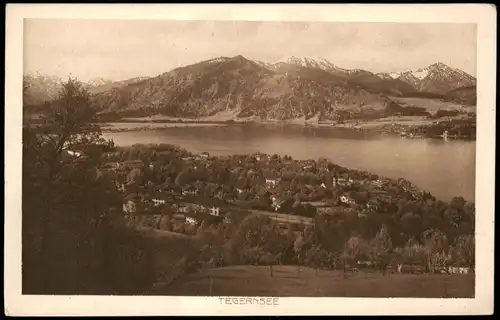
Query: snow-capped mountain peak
(436,77)
(219,59)
(310,62)
(420,74)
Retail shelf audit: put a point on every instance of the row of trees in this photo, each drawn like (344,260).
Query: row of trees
(257,240)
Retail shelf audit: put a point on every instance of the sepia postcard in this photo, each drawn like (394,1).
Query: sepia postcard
(236,159)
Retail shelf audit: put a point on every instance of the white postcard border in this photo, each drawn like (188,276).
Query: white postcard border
(483,15)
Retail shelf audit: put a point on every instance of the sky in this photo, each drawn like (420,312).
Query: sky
(123,49)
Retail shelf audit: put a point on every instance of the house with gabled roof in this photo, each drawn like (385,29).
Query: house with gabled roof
(189,190)
(271,182)
(162,198)
(192,221)
(204,155)
(345,180)
(347,199)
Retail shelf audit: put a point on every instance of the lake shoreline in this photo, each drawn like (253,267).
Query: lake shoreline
(435,164)
(407,127)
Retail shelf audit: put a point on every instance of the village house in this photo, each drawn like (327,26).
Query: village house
(204,155)
(345,181)
(347,200)
(458,270)
(158,202)
(191,220)
(271,182)
(161,199)
(214,211)
(190,190)
(171,191)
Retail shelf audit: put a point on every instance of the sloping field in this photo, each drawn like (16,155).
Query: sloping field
(432,105)
(160,234)
(287,281)
(281,217)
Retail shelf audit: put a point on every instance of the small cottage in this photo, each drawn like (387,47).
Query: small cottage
(192,221)
(204,155)
(347,200)
(214,211)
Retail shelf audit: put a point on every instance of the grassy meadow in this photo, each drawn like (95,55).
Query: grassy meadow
(292,281)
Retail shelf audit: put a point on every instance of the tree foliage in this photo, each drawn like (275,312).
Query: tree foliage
(72,236)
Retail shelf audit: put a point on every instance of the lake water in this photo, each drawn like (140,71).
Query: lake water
(444,168)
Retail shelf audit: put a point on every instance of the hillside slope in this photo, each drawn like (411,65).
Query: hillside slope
(241,86)
(231,88)
(465,95)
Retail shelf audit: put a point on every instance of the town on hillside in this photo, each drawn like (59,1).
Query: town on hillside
(176,192)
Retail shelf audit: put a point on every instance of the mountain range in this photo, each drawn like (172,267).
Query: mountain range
(290,88)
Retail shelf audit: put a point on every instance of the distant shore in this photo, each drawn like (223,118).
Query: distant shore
(409,126)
